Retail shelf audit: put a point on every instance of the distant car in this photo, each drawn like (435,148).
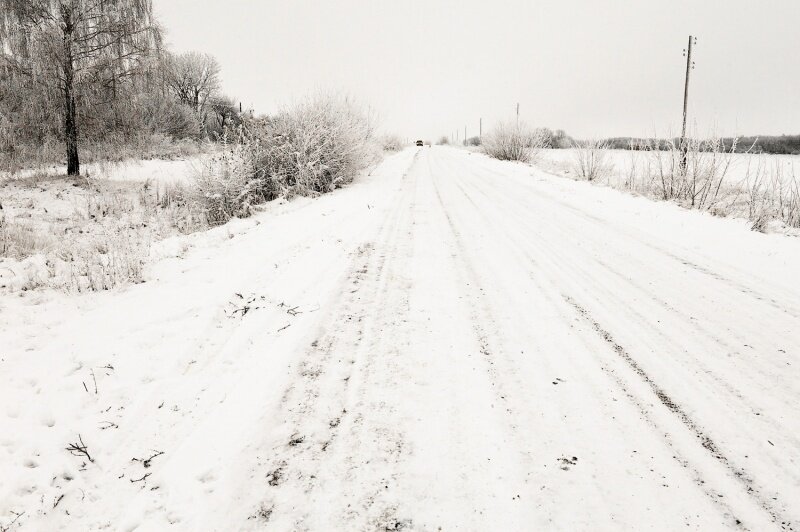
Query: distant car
(420,143)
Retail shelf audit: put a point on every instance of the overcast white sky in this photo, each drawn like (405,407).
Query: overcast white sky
(429,67)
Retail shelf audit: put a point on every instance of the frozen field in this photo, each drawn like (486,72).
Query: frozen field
(130,170)
(450,343)
(624,163)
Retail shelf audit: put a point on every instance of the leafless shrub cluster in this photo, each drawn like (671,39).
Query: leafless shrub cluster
(391,143)
(311,148)
(514,142)
(655,169)
(227,186)
(698,182)
(590,159)
(772,192)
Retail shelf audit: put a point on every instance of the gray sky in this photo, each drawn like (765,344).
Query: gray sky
(590,67)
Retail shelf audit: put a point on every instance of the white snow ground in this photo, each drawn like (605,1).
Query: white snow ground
(619,164)
(157,170)
(452,343)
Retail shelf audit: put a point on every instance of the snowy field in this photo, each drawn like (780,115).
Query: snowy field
(450,343)
(129,170)
(761,188)
(621,163)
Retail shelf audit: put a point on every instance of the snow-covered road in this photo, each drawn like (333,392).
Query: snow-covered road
(452,343)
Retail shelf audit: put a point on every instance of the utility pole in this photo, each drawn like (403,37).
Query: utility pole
(517,115)
(689,68)
(480,129)
(465,135)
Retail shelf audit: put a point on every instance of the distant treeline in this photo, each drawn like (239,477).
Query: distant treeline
(783,144)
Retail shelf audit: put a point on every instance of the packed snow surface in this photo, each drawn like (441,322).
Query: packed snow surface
(451,343)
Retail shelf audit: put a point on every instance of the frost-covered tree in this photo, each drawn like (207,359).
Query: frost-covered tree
(193,78)
(71,48)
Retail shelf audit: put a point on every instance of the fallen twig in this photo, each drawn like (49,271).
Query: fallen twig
(146,461)
(78,449)
(18,515)
(144,477)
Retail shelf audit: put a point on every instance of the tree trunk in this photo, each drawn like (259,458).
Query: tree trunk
(71,130)
(70,118)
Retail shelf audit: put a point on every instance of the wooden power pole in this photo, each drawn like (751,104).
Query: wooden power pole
(689,68)
(480,129)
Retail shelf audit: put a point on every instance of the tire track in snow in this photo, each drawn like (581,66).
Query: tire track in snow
(707,443)
(698,362)
(373,441)
(783,307)
(714,496)
(335,357)
(762,414)
(487,340)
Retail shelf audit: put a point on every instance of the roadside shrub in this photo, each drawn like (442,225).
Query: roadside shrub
(590,159)
(443,141)
(699,181)
(473,141)
(168,117)
(316,146)
(312,148)
(772,192)
(227,186)
(391,143)
(509,142)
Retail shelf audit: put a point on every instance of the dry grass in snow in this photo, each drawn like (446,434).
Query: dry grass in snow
(86,235)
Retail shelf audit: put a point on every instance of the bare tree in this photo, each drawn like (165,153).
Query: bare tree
(194,79)
(76,46)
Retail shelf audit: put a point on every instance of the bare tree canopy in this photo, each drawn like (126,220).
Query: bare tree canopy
(76,47)
(193,78)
